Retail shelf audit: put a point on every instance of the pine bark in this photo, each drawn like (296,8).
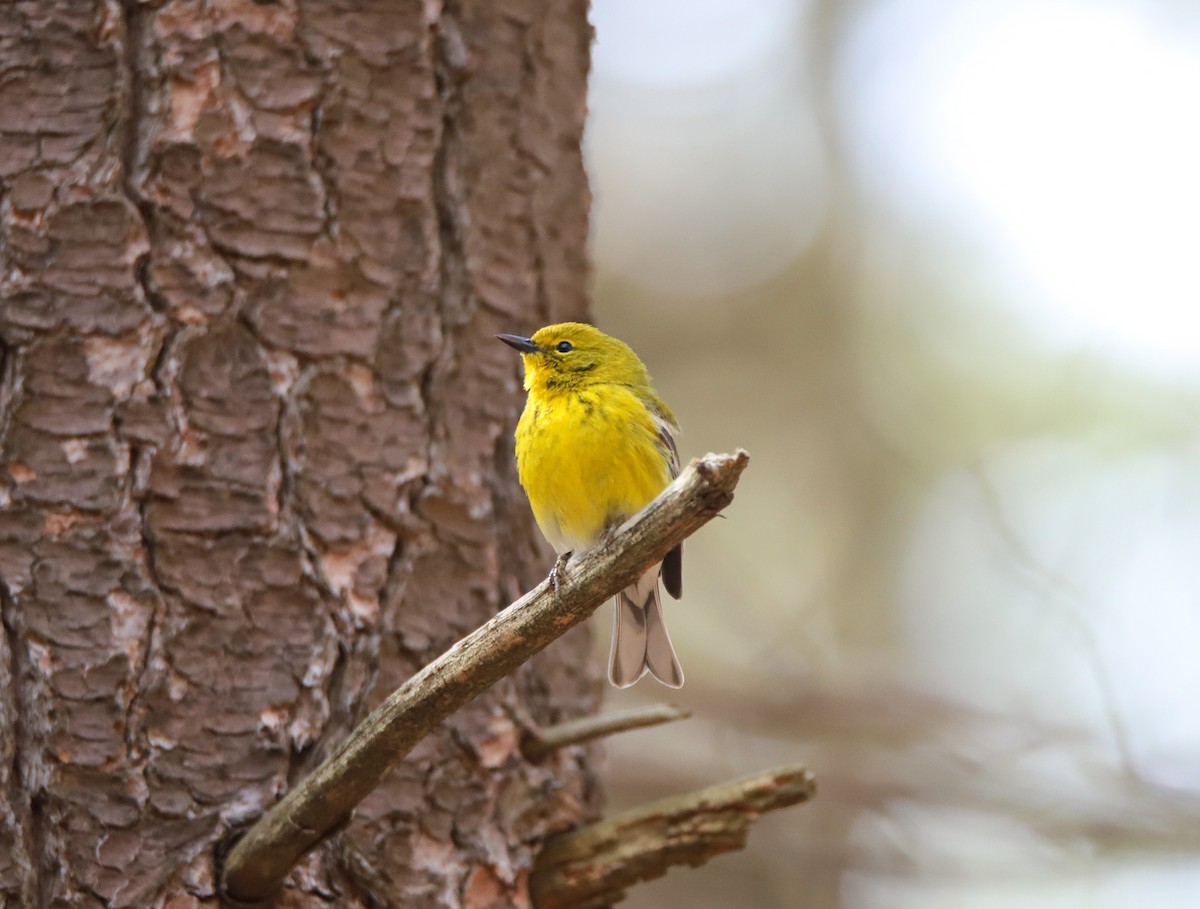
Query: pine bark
(255,450)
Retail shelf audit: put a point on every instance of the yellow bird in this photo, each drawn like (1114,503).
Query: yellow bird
(595,444)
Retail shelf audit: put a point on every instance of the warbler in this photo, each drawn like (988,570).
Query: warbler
(595,444)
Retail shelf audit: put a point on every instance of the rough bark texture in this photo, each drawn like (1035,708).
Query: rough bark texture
(255,430)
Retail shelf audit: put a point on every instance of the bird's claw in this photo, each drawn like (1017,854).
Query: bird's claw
(558,573)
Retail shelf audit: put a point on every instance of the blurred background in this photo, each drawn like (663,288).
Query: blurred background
(937,266)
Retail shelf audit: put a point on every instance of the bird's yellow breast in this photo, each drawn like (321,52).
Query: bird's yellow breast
(588,459)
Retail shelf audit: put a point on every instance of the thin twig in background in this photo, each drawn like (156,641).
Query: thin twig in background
(542,742)
(325,800)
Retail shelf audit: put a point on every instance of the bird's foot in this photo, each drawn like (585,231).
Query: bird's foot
(559,572)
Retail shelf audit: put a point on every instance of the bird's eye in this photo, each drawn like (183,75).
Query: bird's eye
(563,347)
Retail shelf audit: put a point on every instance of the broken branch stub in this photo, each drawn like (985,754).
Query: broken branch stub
(592,867)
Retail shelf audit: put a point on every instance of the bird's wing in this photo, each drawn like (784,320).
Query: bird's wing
(666,438)
(672,564)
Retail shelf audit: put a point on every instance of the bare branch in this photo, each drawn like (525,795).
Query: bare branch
(538,744)
(258,863)
(592,867)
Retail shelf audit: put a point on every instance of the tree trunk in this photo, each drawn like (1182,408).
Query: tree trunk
(256,434)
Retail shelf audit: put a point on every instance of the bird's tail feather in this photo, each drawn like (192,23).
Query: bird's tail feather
(640,639)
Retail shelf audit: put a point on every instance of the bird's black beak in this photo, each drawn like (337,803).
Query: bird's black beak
(516,342)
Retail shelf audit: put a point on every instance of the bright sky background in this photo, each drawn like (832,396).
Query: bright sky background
(685,43)
(1063,137)
(702,149)
(1058,139)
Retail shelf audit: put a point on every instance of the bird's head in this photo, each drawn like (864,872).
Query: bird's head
(573,355)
